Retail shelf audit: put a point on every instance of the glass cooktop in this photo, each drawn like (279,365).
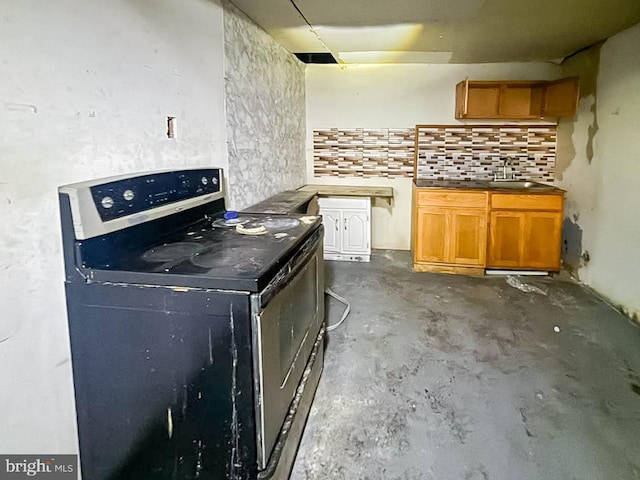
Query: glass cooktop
(245,248)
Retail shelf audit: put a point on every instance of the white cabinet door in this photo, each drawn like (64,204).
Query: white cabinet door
(347,227)
(331,220)
(355,226)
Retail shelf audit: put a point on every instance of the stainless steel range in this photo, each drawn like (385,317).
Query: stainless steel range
(196,334)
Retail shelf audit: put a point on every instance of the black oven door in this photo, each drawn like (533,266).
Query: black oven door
(286,320)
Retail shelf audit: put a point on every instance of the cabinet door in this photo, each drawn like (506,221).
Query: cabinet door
(461,104)
(521,101)
(528,240)
(432,225)
(543,231)
(468,238)
(332,231)
(482,101)
(355,231)
(506,239)
(561,97)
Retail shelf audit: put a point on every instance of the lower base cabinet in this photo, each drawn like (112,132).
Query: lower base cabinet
(347,228)
(462,231)
(450,229)
(525,233)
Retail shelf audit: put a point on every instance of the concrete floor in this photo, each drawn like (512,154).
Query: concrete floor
(450,377)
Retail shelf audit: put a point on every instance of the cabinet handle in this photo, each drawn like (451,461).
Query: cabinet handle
(337,225)
(345,223)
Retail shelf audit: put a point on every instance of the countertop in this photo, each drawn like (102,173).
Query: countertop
(289,200)
(348,191)
(539,188)
(464,184)
(281,203)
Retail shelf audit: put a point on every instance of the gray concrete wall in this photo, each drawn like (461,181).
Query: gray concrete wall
(598,163)
(86,87)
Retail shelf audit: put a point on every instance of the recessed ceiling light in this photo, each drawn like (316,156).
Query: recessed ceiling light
(395,57)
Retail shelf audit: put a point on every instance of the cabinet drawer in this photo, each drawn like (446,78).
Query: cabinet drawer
(451,198)
(509,201)
(344,202)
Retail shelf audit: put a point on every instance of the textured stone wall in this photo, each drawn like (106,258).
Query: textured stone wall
(265,110)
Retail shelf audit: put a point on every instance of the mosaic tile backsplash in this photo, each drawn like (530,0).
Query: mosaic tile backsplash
(359,152)
(444,152)
(476,152)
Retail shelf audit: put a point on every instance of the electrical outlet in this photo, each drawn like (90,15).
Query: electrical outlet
(171,127)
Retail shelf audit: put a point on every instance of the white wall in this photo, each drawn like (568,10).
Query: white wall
(85,89)
(394,96)
(603,197)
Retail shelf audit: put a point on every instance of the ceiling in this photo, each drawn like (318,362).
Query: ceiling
(441,31)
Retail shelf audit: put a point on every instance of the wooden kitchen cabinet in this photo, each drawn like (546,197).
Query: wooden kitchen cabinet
(561,97)
(449,231)
(525,231)
(516,99)
(477,99)
(347,228)
(431,235)
(466,231)
(521,100)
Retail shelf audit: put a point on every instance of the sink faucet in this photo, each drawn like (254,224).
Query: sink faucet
(506,174)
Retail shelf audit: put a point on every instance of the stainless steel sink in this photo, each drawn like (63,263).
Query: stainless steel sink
(519,185)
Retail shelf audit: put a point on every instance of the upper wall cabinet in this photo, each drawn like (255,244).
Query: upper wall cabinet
(561,97)
(516,99)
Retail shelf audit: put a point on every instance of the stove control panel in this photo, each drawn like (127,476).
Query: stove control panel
(133,195)
(110,204)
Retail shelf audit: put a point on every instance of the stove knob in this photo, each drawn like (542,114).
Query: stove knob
(214,181)
(204,180)
(107,202)
(128,195)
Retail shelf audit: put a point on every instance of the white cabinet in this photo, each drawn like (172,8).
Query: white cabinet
(347,228)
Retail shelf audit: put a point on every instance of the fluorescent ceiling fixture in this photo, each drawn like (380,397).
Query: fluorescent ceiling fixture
(395,57)
(384,37)
(298,39)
